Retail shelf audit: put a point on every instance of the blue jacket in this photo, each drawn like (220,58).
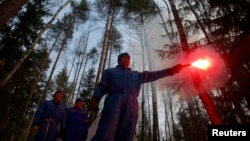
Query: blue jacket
(120,112)
(49,116)
(77,124)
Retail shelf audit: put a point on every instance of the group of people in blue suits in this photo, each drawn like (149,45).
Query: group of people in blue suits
(120,110)
(54,120)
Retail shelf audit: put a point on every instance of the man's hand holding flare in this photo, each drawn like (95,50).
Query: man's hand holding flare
(176,69)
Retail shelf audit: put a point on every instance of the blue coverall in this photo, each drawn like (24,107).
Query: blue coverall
(49,116)
(120,112)
(77,124)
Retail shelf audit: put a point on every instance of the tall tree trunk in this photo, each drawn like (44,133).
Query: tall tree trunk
(104,48)
(168,35)
(143,108)
(192,111)
(75,78)
(212,112)
(26,103)
(8,9)
(32,91)
(153,90)
(68,102)
(206,100)
(149,127)
(25,55)
(82,53)
(199,22)
(86,60)
(182,34)
(166,125)
(41,68)
(64,42)
(171,115)
(183,39)
(170,21)
(108,37)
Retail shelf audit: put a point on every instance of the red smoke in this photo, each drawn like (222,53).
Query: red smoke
(214,77)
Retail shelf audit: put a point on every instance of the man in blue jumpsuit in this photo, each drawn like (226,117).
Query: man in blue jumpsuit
(77,122)
(50,115)
(122,86)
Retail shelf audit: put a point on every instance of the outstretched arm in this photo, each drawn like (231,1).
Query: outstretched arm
(155,75)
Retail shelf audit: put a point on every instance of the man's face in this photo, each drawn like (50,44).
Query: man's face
(79,104)
(58,97)
(125,61)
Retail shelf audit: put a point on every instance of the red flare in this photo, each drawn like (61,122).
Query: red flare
(201,64)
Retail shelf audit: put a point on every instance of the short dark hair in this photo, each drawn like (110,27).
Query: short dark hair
(57,92)
(120,56)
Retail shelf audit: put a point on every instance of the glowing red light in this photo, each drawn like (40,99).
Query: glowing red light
(201,64)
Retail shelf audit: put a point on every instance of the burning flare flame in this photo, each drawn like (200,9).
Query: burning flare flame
(201,64)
